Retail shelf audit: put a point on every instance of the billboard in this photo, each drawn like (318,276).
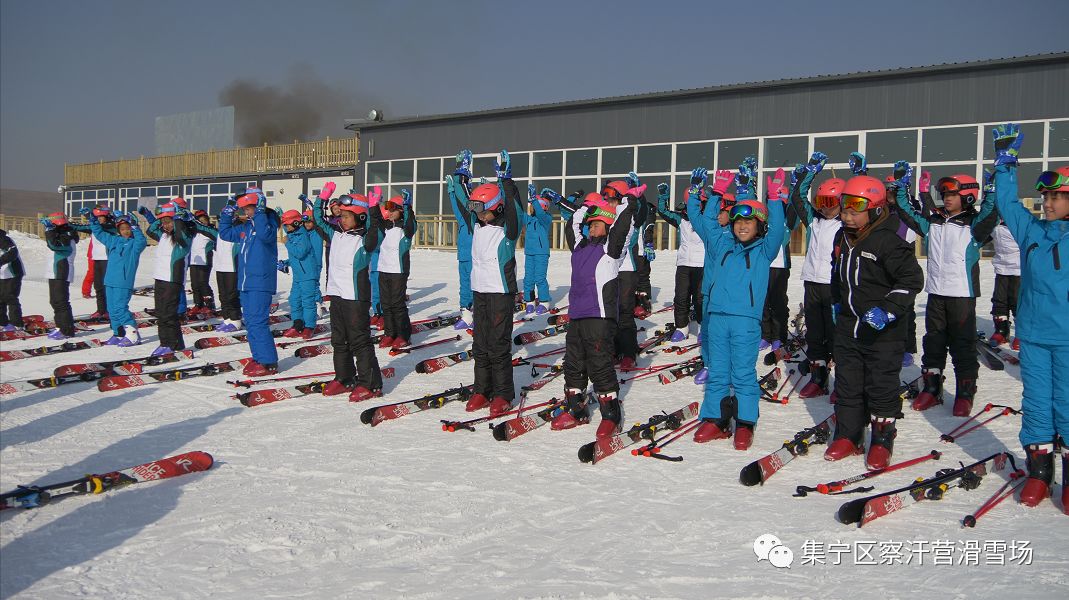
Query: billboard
(198,131)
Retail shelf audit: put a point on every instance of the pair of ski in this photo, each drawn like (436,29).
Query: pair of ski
(419,327)
(598,450)
(241,338)
(120,382)
(993,357)
(84,372)
(433,365)
(267,396)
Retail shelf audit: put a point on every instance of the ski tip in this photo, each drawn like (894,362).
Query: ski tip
(368,416)
(586,452)
(750,474)
(851,512)
(501,432)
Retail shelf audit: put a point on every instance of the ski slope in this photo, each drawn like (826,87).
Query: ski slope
(305,501)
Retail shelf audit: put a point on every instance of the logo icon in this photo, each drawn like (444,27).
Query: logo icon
(771,548)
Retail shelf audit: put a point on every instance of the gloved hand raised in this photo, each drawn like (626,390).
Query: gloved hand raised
(858,164)
(551,195)
(877,318)
(503,166)
(924,183)
(231,200)
(663,191)
(721,181)
(1008,139)
(798,172)
(774,191)
(327,191)
(989,182)
(144,211)
(632,180)
(903,174)
(532,193)
(406,197)
(464,164)
(699,177)
(49,225)
(84,211)
(374,196)
(228,210)
(816,162)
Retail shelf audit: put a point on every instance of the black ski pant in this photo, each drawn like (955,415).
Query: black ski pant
(642,270)
(1004,296)
(199,276)
(350,337)
(492,344)
(688,294)
(10,309)
(776,313)
(626,330)
(950,323)
(588,355)
(395,318)
(59,296)
(911,332)
(100,269)
(819,327)
(866,383)
(228,295)
(167,321)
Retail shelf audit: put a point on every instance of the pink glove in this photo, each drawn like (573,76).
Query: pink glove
(924,184)
(775,185)
(327,191)
(374,196)
(721,181)
(636,192)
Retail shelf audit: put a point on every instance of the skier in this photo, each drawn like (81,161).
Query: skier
(353,239)
(11,273)
(398,225)
(496,206)
(725,201)
(736,268)
(538,222)
(1007,265)
(303,262)
(626,329)
(690,260)
(226,278)
(173,229)
(459,188)
(593,305)
(96,258)
(1042,327)
(776,312)
(955,235)
(123,250)
(907,233)
(875,278)
(643,287)
(200,264)
(62,240)
(257,260)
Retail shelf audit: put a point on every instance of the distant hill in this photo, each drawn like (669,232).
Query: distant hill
(28,203)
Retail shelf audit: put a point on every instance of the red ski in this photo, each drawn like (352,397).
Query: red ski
(119,382)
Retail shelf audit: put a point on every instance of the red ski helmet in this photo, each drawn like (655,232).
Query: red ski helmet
(101,210)
(964,185)
(354,203)
(863,192)
(248,200)
(599,209)
(828,192)
(166,210)
(291,217)
(614,190)
(58,218)
(395,203)
(485,197)
(179,201)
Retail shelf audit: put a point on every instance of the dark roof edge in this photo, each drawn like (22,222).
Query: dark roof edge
(1053,57)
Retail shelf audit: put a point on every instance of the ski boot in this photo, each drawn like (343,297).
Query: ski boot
(881,443)
(466,321)
(386,342)
(1002,332)
(361,393)
(678,336)
(764,345)
(701,376)
(907,359)
(963,397)
(132,338)
(377,321)
(294,331)
(499,406)
(574,412)
(841,448)
(337,388)
(307,333)
(57,335)
(476,402)
(717,428)
(255,369)
(743,435)
(818,380)
(398,343)
(1040,474)
(530,308)
(627,363)
(162,351)
(113,340)
(932,394)
(611,415)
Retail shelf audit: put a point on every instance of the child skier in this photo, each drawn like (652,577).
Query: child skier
(690,262)
(875,278)
(62,240)
(459,188)
(96,258)
(201,253)
(304,264)
(954,235)
(397,226)
(537,224)
(1007,265)
(353,239)
(11,273)
(736,266)
(777,313)
(493,282)
(226,278)
(646,256)
(124,250)
(1042,327)
(257,240)
(593,305)
(626,329)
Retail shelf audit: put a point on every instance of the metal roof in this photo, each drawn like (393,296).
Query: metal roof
(1028,60)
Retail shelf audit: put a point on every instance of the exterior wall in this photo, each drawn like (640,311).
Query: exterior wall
(284,193)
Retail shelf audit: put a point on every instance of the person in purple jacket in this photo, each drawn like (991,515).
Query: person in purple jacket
(593,309)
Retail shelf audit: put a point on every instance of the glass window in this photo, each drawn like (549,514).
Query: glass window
(1058,144)
(680,189)
(151,192)
(1032,147)
(553,184)
(785,152)
(378,172)
(429,169)
(651,186)
(654,159)
(199,189)
(691,156)
(520,164)
(484,166)
(401,170)
(89,195)
(548,164)
(219,188)
(837,147)
(1027,173)
(622,160)
(76,196)
(215,205)
(948,143)
(585,184)
(427,198)
(201,204)
(891,146)
(582,162)
(730,154)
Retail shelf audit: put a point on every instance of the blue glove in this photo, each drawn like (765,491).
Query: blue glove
(903,174)
(552,196)
(798,172)
(283,266)
(750,162)
(663,191)
(503,166)
(85,210)
(406,197)
(1008,140)
(989,182)
(816,162)
(878,318)
(49,225)
(144,211)
(184,215)
(118,213)
(232,200)
(835,313)
(698,177)
(647,251)
(261,201)
(229,210)
(632,180)
(858,164)
(532,192)
(463,164)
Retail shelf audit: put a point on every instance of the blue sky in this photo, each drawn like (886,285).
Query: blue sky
(83,81)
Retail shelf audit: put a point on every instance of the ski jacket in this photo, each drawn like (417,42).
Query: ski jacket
(458,199)
(493,246)
(303,263)
(634,249)
(595,290)
(11,266)
(393,253)
(691,251)
(536,231)
(226,256)
(1007,259)
(172,249)
(820,235)
(350,256)
(203,246)
(257,257)
(125,254)
(62,241)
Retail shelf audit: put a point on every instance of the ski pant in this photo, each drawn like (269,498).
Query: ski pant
(303,297)
(118,310)
(688,294)
(642,271)
(776,313)
(167,293)
(535,283)
(59,296)
(255,309)
(911,332)
(350,337)
(396,323)
(1046,392)
(588,355)
(706,343)
(866,383)
(626,329)
(951,323)
(819,327)
(492,345)
(100,269)
(10,309)
(1004,296)
(228,295)
(376,298)
(464,271)
(732,364)
(202,290)
(182,305)
(87,281)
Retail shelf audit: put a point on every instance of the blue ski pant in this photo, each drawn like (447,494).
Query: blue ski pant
(303,297)
(732,342)
(376,306)
(534,277)
(1044,369)
(464,269)
(119,309)
(255,308)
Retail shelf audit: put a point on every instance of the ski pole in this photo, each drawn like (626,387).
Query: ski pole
(246,383)
(518,361)
(1017,479)
(787,398)
(302,341)
(835,488)
(955,434)
(395,352)
(654,449)
(650,371)
(775,396)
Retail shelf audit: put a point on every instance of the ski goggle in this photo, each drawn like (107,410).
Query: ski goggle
(825,201)
(949,185)
(611,193)
(1051,180)
(858,203)
(745,211)
(594,211)
(389,206)
(477,206)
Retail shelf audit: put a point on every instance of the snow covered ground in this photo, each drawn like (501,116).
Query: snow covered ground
(305,501)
